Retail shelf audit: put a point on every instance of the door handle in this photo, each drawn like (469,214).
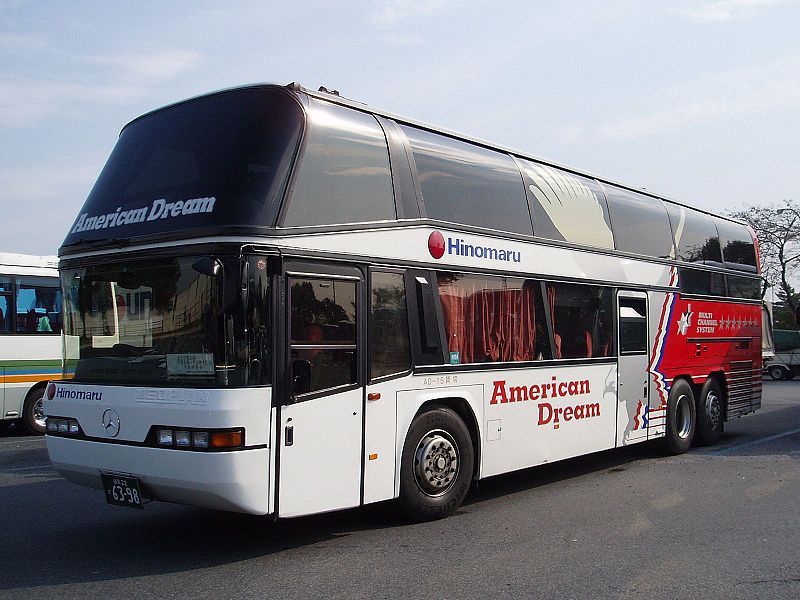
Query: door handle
(288,435)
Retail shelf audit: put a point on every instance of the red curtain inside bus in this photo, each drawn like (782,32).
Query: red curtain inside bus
(489,319)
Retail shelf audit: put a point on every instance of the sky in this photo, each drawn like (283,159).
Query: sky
(698,101)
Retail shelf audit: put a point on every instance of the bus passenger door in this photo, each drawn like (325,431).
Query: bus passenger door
(632,380)
(320,435)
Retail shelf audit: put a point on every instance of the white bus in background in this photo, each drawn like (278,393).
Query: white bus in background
(30,343)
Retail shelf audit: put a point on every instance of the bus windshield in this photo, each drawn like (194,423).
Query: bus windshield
(215,161)
(161,321)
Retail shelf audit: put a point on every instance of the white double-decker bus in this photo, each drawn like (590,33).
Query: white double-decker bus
(30,346)
(281,302)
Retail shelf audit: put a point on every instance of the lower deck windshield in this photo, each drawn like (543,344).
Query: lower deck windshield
(174,321)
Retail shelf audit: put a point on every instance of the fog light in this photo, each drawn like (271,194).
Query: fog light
(183,438)
(200,439)
(63,426)
(73,426)
(52,425)
(165,437)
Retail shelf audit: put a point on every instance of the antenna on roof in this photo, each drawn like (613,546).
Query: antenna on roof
(322,88)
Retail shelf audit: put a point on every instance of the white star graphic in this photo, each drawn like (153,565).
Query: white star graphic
(684,322)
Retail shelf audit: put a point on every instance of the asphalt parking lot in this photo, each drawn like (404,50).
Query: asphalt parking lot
(718,522)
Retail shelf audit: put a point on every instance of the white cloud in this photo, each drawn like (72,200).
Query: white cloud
(388,12)
(725,10)
(36,184)
(18,41)
(158,66)
(26,101)
(757,90)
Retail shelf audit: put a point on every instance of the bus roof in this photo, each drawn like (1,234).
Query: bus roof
(12,259)
(335,97)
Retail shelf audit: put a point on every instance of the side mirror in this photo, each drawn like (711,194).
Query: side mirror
(208,265)
(301,377)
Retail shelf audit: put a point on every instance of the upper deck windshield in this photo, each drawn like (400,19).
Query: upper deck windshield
(214,161)
(178,321)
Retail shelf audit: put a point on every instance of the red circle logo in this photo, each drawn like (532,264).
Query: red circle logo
(436,244)
(51,391)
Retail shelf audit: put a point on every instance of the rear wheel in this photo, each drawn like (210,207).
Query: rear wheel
(710,416)
(680,417)
(33,411)
(777,372)
(437,465)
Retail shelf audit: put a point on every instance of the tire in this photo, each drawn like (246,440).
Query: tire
(681,421)
(439,440)
(777,372)
(32,411)
(710,413)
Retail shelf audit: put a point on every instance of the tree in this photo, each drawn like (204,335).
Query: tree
(777,227)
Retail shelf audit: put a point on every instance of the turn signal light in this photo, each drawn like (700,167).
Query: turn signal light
(226,439)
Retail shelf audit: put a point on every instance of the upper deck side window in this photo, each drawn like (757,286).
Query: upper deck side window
(467,184)
(696,237)
(343,174)
(566,206)
(738,248)
(640,223)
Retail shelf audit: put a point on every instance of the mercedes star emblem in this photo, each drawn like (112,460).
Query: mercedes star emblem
(111,422)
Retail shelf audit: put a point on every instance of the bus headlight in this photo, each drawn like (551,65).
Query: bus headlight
(194,439)
(61,426)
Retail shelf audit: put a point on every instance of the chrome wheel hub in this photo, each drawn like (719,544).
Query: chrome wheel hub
(436,463)
(683,417)
(713,410)
(38,412)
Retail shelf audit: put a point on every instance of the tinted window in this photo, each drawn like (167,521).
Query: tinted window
(5,314)
(492,319)
(696,238)
(695,281)
(344,175)
(323,333)
(5,304)
(464,183)
(744,287)
(38,305)
(209,162)
(581,316)
(567,207)
(737,244)
(640,223)
(389,346)
(632,325)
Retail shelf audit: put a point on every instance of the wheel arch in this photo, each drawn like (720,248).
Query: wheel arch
(465,401)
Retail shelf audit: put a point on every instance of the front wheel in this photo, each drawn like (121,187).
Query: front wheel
(680,417)
(777,372)
(33,411)
(710,422)
(437,465)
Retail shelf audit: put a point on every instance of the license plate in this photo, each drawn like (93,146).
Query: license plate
(122,490)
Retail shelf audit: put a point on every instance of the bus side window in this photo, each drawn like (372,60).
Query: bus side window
(38,305)
(581,318)
(323,333)
(389,344)
(344,174)
(492,319)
